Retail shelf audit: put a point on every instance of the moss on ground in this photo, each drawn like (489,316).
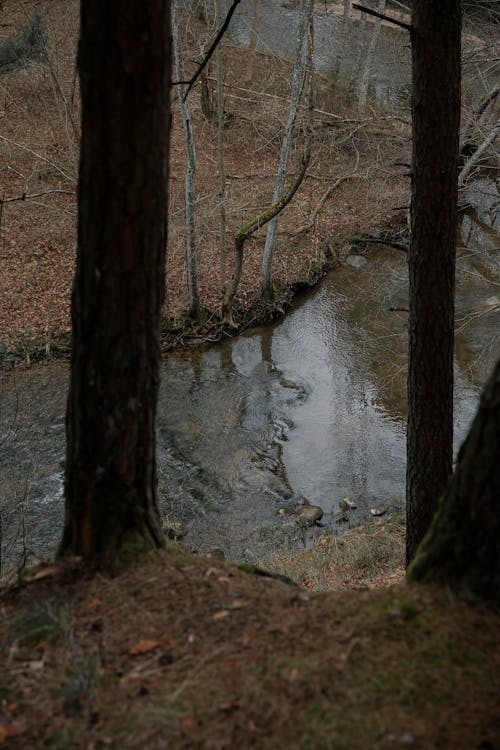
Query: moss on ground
(185,652)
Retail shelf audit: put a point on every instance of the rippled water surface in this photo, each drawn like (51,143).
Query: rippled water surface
(312,408)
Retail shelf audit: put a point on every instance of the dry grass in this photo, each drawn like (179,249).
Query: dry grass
(368,556)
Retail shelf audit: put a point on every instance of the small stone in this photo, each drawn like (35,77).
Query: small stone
(407,738)
(216,554)
(356,261)
(492,303)
(286,383)
(309,515)
(378,511)
(347,504)
(174,529)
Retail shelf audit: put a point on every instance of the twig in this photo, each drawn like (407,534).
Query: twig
(71,178)
(375,13)
(388,243)
(25,196)
(475,118)
(476,156)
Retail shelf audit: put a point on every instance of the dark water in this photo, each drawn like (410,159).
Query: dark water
(311,408)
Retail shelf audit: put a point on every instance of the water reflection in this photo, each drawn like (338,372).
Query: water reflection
(313,407)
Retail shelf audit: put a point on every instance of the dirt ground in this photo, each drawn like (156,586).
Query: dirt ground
(184,652)
(353,158)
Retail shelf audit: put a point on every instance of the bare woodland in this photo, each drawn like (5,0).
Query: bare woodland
(240,141)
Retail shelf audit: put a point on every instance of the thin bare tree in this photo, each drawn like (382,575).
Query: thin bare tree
(185,111)
(363,87)
(219,63)
(302,72)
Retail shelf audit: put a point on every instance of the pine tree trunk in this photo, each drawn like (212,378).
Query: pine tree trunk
(111,484)
(462,548)
(436,122)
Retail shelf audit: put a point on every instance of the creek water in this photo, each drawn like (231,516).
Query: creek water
(389,79)
(312,407)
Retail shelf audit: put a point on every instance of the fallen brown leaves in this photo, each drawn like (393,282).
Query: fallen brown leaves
(150,661)
(38,153)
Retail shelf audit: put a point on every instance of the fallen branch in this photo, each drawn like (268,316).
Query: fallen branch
(467,148)
(477,155)
(26,197)
(70,178)
(388,243)
(375,13)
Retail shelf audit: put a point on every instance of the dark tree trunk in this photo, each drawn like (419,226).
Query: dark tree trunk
(462,547)
(436,121)
(111,485)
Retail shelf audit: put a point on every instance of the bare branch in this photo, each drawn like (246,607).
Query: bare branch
(375,13)
(211,50)
(71,178)
(476,156)
(26,197)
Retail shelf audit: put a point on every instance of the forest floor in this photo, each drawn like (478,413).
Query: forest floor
(185,652)
(353,185)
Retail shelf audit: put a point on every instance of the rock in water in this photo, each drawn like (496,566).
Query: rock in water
(309,515)
(356,261)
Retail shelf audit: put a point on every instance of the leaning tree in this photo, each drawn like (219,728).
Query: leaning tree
(111,484)
(461,549)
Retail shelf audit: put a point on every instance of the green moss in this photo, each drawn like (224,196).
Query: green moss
(47,620)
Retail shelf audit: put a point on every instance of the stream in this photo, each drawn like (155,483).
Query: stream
(390,77)
(311,409)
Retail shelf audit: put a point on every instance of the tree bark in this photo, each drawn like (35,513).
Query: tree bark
(111,484)
(190,191)
(436,121)
(344,36)
(461,549)
(252,226)
(301,71)
(363,87)
(254,38)
(219,62)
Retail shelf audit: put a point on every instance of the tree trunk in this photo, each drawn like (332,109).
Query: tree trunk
(219,62)
(252,47)
(344,36)
(462,548)
(111,485)
(191,259)
(304,54)
(436,121)
(361,37)
(363,87)
(252,226)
